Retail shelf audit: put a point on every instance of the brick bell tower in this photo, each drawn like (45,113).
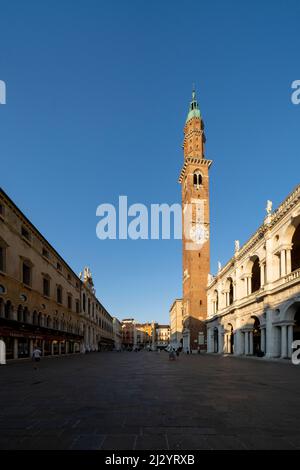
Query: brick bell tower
(194,180)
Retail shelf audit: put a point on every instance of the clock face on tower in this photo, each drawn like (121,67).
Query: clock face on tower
(199,234)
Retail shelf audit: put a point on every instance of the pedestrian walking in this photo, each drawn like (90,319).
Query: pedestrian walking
(36,356)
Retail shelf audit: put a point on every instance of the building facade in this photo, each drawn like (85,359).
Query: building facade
(176,324)
(254,300)
(194,180)
(41,298)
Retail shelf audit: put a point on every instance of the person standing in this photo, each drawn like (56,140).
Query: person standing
(36,356)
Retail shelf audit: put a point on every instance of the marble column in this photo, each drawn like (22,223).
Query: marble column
(221,342)
(246,343)
(289,340)
(270,334)
(283,341)
(263,340)
(288,261)
(15,348)
(238,343)
(282,263)
(251,342)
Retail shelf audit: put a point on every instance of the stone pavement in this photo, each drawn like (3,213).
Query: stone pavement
(124,401)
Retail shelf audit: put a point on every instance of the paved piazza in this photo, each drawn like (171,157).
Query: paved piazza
(143,401)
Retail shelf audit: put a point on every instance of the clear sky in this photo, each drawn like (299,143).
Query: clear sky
(97,96)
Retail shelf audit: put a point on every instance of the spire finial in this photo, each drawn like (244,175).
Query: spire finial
(193,91)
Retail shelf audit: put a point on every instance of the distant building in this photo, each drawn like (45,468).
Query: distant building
(162,336)
(128,333)
(144,335)
(176,324)
(117,330)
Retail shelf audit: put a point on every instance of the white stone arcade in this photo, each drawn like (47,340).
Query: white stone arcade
(254,300)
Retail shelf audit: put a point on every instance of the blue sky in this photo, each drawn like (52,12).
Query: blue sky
(97,95)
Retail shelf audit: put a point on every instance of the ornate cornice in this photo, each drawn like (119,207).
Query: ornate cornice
(193,161)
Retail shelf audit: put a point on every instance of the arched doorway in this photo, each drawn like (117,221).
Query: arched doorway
(216,340)
(256,337)
(296,328)
(295,254)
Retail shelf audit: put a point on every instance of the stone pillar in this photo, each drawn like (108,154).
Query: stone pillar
(262,274)
(59,348)
(248,286)
(234,291)
(282,263)
(238,343)
(246,343)
(270,336)
(263,340)
(30,347)
(208,340)
(288,261)
(289,341)
(221,341)
(52,348)
(67,347)
(43,347)
(283,341)
(15,348)
(251,342)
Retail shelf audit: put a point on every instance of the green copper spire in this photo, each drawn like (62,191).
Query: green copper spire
(194,110)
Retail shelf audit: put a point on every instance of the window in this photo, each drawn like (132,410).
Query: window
(45,253)
(77,306)
(69,277)
(2,210)
(58,265)
(2,289)
(46,287)
(83,302)
(59,294)
(26,273)
(2,258)
(197,179)
(25,233)
(89,306)
(255,278)
(69,302)
(295,255)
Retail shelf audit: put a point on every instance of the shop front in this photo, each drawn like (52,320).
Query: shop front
(20,339)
